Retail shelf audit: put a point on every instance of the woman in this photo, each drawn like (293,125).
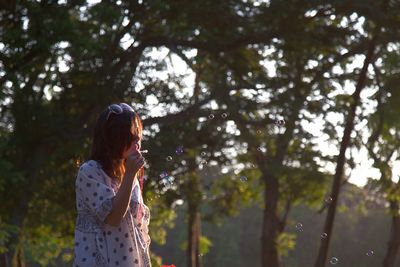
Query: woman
(112,222)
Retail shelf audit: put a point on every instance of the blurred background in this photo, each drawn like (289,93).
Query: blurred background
(272,126)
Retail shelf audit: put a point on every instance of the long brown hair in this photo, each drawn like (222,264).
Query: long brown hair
(112,135)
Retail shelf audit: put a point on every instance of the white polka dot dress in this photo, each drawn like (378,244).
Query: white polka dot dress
(98,244)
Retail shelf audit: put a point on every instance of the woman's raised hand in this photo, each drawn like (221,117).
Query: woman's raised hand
(134,162)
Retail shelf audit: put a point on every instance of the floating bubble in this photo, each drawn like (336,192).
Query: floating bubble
(243,178)
(211,116)
(334,260)
(169,158)
(280,122)
(328,200)
(259,131)
(203,154)
(179,150)
(261,149)
(166,180)
(163,174)
(224,115)
(370,253)
(219,129)
(324,235)
(146,164)
(299,227)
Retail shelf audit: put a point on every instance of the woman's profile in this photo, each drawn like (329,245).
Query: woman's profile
(112,220)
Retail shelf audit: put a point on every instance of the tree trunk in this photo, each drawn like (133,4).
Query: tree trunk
(4,260)
(270,228)
(394,239)
(17,220)
(193,250)
(328,227)
(19,259)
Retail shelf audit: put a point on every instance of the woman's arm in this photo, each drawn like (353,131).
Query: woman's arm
(120,202)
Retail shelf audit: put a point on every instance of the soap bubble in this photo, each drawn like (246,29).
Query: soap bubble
(179,150)
(324,235)
(224,115)
(261,149)
(163,174)
(203,154)
(328,200)
(243,178)
(146,164)
(259,131)
(166,180)
(334,260)
(169,158)
(211,116)
(370,253)
(280,122)
(299,227)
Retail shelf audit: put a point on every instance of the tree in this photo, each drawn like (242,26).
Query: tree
(383,144)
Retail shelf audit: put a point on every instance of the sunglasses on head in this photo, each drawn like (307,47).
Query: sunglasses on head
(118,109)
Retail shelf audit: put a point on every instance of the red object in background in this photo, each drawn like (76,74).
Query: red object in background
(168,265)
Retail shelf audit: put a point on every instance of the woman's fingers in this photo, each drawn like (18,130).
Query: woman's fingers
(134,163)
(135,155)
(141,162)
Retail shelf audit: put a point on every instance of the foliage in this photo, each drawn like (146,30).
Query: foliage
(285,243)
(43,246)
(247,64)
(5,230)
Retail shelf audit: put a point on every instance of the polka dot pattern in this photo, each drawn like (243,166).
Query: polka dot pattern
(99,244)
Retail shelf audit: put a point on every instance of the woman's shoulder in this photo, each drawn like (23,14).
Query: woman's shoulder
(90,167)
(89,164)
(93,169)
